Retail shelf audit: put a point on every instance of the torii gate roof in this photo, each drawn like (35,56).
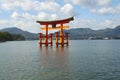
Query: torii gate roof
(56,21)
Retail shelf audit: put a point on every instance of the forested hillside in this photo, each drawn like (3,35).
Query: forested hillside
(5,36)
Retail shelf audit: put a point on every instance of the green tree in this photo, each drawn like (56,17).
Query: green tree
(5,36)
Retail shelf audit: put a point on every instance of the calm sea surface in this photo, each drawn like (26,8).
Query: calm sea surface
(82,60)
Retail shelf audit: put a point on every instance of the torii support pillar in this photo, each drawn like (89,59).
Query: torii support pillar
(63,39)
(46,37)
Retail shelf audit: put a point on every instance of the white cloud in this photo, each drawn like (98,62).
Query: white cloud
(67,10)
(109,23)
(23,4)
(99,6)
(15,15)
(28,16)
(54,16)
(104,2)
(94,23)
(5,0)
(118,7)
(107,10)
(3,22)
(85,3)
(10,5)
(52,6)
(27,21)
(42,16)
(32,26)
(89,3)
(23,16)
(28,5)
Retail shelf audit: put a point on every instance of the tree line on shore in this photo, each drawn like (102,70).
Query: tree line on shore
(6,36)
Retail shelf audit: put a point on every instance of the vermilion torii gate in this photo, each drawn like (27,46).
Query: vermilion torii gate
(55,25)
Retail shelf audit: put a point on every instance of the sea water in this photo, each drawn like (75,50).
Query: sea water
(81,60)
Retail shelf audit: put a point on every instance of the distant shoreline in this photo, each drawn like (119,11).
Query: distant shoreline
(70,39)
(2,41)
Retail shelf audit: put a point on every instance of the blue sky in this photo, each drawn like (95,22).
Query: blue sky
(94,14)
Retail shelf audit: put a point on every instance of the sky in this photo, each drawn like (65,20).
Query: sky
(94,14)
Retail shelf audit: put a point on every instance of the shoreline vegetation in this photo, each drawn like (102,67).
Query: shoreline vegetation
(6,36)
(16,34)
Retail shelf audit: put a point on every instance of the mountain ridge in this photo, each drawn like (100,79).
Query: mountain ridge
(26,34)
(75,33)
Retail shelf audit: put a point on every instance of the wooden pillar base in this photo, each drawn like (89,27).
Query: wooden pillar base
(46,37)
(62,43)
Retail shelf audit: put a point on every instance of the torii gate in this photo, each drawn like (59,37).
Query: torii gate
(54,27)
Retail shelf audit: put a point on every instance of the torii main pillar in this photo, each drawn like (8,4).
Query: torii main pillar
(60,37)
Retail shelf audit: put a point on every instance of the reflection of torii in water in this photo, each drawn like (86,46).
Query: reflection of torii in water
(54,27)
